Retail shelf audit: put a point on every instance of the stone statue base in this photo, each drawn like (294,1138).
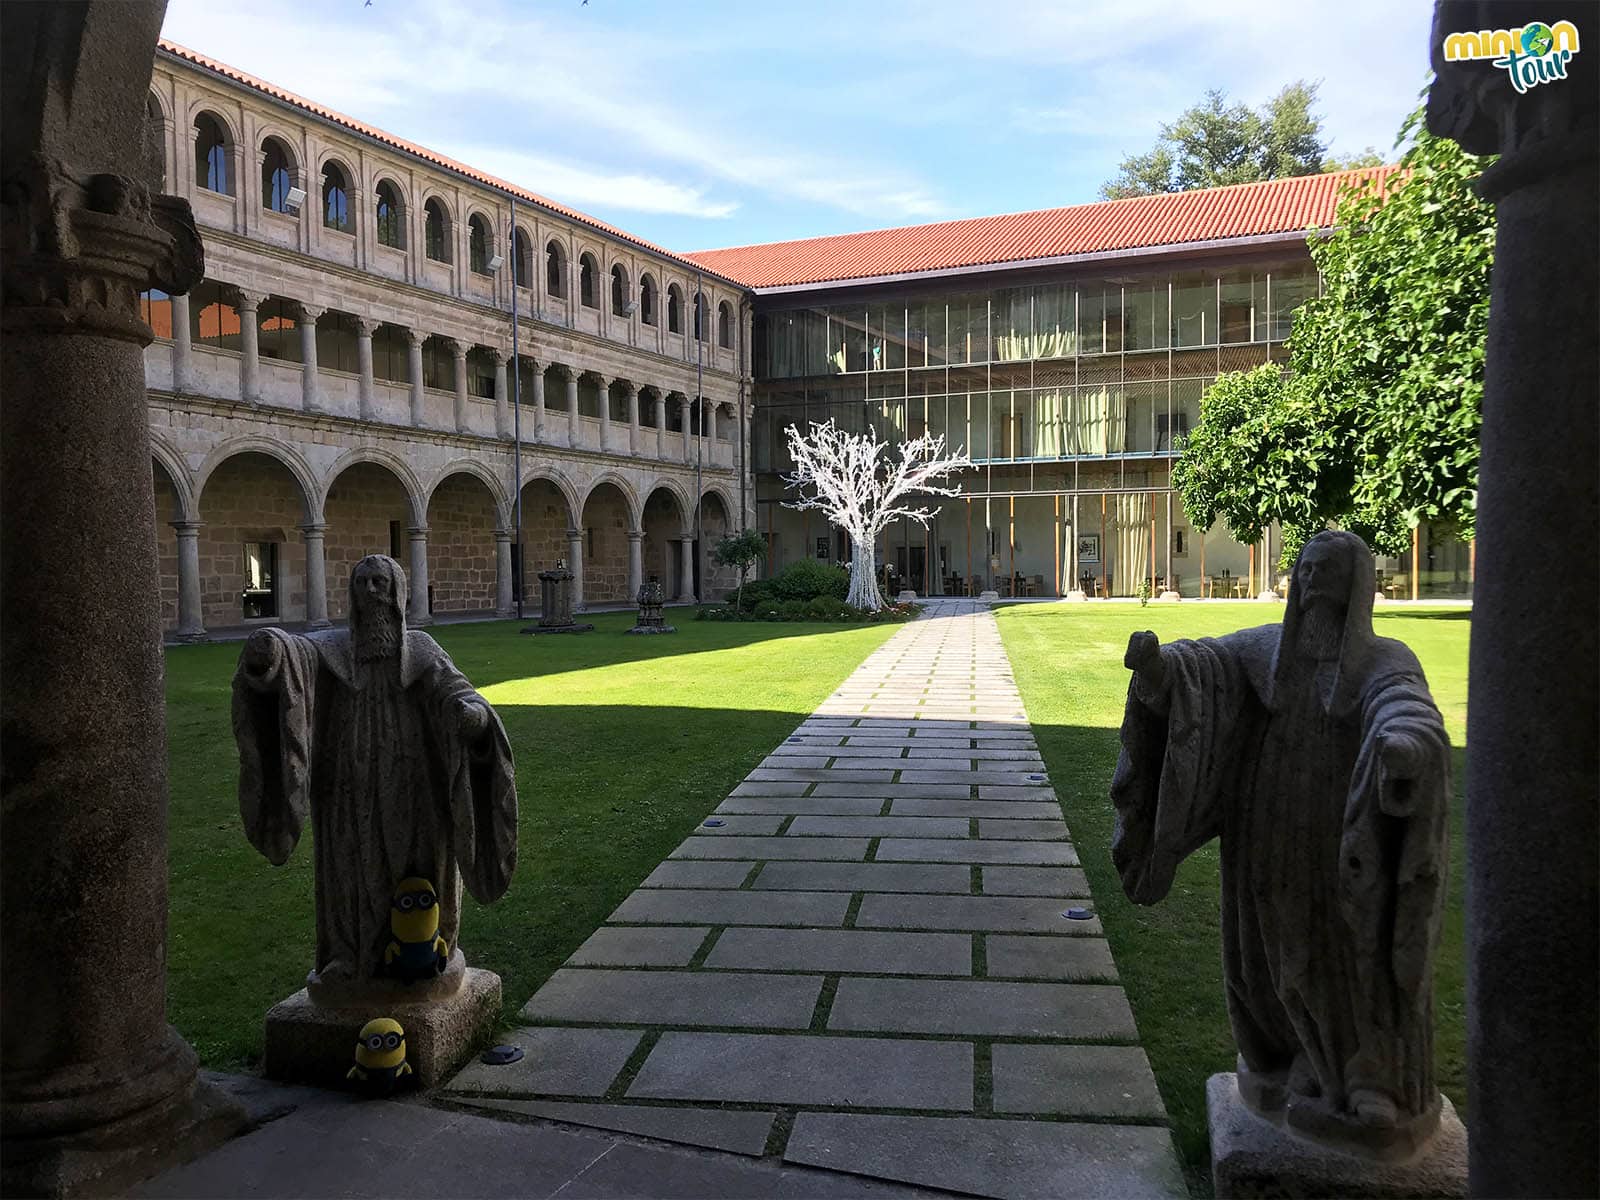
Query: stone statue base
(575,628)
(107,1160)
(989,597)
(654,629)
(1250,1157)
(1077,594)
(315,1043)
(1169,595)
(906,597)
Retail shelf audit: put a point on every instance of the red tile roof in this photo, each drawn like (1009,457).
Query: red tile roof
(1172,219)
(311,106)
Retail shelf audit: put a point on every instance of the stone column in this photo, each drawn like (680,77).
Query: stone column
(711,429)
(1533,947)
(686,569)
(689,431)
(575,565)
(458,351)
(417,582)
(635,562)
(310,399)
(316,576)
(661,425)
(633,417)
(571,377)
(504,603)
(181,371)
(502,395)
(605,412)
(191,619)
(95,1087)
(365,328)
(538,401)
(250,347)
(414,340)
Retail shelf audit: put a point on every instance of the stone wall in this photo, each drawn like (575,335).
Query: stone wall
(367,513)
(167,548)
(544,533)
(663,525)
(250,498)
(461,545)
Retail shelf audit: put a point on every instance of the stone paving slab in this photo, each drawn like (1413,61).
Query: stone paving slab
(610,946)
(713,1128)
(1085,1011)
(762,1068)
(1016,1159)
(866,877)
(1059,854)
(593,997)
(1089,1081)
(1084,959)
(879,913)
(762,848)
(993,914)
(691,906)
(836,950)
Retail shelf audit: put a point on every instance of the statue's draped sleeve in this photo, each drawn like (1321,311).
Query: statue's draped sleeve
(1168,787)
(481,779)
(1392,856)
(273,723)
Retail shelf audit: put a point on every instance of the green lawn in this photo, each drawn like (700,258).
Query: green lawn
(622,744)
(1068,663)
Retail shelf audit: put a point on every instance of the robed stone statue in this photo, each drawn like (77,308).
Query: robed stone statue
(404,769)
(1314,751)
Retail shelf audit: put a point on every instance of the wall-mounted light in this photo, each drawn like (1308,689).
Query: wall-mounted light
(630,308)
(496,262)
(295,198)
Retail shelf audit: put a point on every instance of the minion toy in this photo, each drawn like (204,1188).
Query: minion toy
(380,1057)
(415,949)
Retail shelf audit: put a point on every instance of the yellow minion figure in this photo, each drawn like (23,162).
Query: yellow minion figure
(380,1056)
(415,949)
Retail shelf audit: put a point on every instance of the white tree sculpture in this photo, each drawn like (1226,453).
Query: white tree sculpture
(861,488)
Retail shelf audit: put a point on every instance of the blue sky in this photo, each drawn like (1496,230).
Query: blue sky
(699,124)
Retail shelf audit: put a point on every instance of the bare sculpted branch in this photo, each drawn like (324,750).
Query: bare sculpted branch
(861,484)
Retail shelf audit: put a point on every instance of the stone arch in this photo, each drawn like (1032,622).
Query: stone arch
(290,459)
(471,466)
(177,471)
(352,188)
(170,507)
(630,495)
(618,288)
(481,241)
(649,300)
(441,250)
(464,510)
(606,521)
(157,120)
(251,498)
(717,520)
(548,512)
(416,496)
(370,505)
(680,496)
(205,110)
(589,281)
(397,232)
(664,520)
(563,485)
(524,260)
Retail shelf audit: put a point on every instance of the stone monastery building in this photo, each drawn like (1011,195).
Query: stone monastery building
(342,382)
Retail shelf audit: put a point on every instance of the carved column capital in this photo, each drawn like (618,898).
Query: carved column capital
(310,312)
(77,251)
(248,301)
(635,535)
(457,348)
(416,337)
(502,354)
(367,326)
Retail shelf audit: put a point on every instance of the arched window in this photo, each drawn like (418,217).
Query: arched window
(647,300)
(155,141)
(699,316)
(586,274)
(674,309)
(435,231)
(391,225)
(619,291)
(276,179)
(555,272)
(335,198)
(211,155)
(478,244)
(521,258)
(724,326)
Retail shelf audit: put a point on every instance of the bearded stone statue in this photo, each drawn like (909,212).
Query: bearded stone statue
(404,769)
(1314,751)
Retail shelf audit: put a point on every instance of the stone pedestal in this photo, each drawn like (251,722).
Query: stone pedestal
(1077,594)
(1252,1157)
(906,597)
(989,597)
(650,619)
(314,1043)
(1169,596)
(555,604)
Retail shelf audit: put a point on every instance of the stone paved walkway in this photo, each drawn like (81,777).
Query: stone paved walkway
(862,961)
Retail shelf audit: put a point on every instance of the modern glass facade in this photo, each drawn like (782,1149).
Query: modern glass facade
(1072,396)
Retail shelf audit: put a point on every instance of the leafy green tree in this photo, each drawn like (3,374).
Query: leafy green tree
(1375,426)
(741,550)
(1215,143)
